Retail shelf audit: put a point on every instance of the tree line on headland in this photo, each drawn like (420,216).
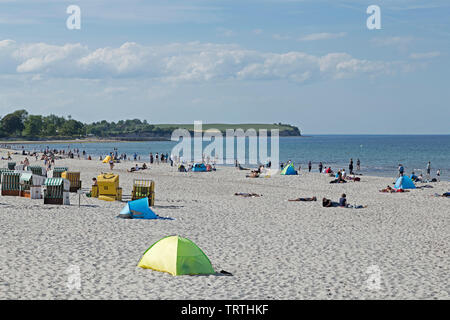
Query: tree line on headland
(22,125)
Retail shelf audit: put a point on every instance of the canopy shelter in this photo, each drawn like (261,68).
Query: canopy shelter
(138,209)
(177,256)
(289,170)
(404,182)
(198,167)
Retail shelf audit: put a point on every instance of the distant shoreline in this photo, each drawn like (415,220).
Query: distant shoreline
(10,142)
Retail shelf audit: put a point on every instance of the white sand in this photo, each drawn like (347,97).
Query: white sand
(275,249)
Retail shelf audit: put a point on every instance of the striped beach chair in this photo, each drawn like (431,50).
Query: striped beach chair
(10,183)
(74,178)
(56,191)
(38,170)
(57,171)
(144,188)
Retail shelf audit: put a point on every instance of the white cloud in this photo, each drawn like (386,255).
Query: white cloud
(277,36)
(225,32)
(177,62)
(396,41)
(425,55)
(322,36)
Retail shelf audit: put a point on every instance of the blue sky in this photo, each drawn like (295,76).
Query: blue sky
(313,64)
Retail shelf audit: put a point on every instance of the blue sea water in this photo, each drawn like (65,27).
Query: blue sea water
(379,154)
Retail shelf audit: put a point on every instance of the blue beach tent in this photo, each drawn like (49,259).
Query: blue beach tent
(199,167)
(289,170)
(404,182)
(137,209)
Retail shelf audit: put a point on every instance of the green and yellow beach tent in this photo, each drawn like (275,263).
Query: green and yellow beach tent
(177,256)
(289,170)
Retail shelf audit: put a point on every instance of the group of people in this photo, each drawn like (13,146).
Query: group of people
(329,203)
(420,178)
(160,158)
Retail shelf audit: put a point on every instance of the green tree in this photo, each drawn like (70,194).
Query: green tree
(12,123)
(72,128)
(33,126)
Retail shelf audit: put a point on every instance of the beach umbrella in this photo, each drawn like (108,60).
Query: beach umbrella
(177,256)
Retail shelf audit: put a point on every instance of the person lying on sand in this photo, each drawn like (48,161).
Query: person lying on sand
(247,194)
(343,203)
(304,199)
(253,174)
(353,178)
(328,203)
(388,189)
(242,168)
(133,169)
(445,195)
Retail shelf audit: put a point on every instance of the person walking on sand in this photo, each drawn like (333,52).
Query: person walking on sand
(320,167)
(358,165)
(350,166)
(438,174)
(309,166)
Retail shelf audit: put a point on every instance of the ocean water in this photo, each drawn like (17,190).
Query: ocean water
(379,154)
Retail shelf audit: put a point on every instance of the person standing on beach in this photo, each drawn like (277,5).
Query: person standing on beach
(401,170)
(358,165)
(350,166)
(438,174)
(428,169)
(157,158)
(320,167)
(151,158)
(309,166)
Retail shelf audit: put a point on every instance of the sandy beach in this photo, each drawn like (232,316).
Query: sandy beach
(275,249)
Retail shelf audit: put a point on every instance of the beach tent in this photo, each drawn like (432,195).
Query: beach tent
(177,256)
(107,159)
(289,170)
(199,167)
(404,182)
(137,209)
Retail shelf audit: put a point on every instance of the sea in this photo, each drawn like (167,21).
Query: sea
(379,155)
